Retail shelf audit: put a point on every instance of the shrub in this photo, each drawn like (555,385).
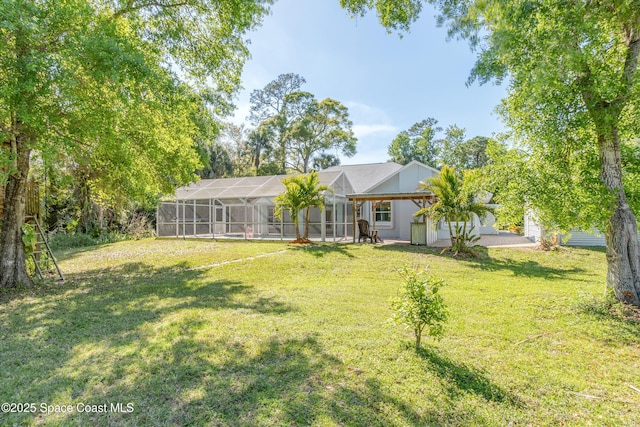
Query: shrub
(515,229)
(420,306)
(60,241)
(139,225)
(548,244)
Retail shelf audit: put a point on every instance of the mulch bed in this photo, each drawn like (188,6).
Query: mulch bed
(301,240)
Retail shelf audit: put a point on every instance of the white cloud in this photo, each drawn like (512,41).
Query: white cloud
(362,131)
(377,155)
(241,113)
(360,112)
(369,121)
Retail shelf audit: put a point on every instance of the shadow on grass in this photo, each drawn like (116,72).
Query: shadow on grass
(523,268)
(461,378)
(407,248)
(361,407)
(275,381)
(41,327)
(485,262)
(323,249)
(620,322)
(185,349)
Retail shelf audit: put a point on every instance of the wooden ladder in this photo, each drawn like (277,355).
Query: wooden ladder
(43,247)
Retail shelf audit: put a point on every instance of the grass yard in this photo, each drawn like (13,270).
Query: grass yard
(299,336)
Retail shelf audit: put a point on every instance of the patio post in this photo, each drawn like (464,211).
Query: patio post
(353,218)
(334,211)
(210,214)
(323,224)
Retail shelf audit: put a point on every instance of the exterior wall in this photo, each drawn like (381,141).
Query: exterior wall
(392,185)
(486,224)
(443,230)
(581,238)
(412,175)
(432,233)
(532,230)
(401,218)
(405,181)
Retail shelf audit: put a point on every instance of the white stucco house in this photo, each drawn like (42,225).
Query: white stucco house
(385,194)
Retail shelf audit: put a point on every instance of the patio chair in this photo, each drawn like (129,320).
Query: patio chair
(364,231)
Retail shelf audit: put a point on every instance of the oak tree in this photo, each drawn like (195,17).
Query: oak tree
(574,92)
(321,127)
(115,86)
(419,143)
(270,113)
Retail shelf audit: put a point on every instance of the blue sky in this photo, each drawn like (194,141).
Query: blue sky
(387,82)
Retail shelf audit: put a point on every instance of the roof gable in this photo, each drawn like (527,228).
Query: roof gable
(363,176)
(404,179)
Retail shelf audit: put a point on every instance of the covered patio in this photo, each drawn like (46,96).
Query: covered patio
(423,230)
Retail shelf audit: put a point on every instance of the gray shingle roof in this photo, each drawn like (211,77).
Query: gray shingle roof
(243,188)
(365,176)
(358,179)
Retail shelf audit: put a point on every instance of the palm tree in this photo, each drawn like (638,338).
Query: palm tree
(291,199)
(312,191)
(455,202)
(301,192)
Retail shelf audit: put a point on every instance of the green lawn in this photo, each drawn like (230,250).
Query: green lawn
(300,336)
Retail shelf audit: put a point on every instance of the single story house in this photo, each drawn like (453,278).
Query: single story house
(385,194)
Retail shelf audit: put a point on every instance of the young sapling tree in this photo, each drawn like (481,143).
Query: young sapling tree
(420,307)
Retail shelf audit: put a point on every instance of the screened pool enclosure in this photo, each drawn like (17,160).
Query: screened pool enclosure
(243,208)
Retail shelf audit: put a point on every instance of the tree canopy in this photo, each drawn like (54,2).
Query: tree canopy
(297,128)
(322,126)
(573,96)
(419,143)
(114,88)
(423,142)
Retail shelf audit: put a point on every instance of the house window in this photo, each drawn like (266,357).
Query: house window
(383,212)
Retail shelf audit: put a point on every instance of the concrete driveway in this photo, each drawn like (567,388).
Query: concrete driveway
(502,239)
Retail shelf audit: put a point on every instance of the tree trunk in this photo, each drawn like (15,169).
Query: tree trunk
(623,254)
(306,223)
(463,239)
(283,155)
(305,167)
(256,160)
(296,223)
(451,234)
(13,271)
